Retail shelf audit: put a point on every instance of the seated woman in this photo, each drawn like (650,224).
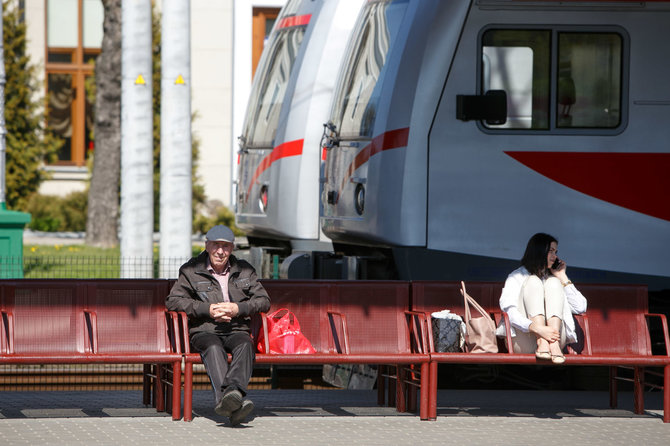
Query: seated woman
(540,300)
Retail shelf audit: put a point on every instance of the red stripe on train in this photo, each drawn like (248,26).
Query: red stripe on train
(635,181)
(392,139)
(294,20)
(289,148)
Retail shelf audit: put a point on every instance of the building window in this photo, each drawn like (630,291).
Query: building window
(74,38)
(262,23)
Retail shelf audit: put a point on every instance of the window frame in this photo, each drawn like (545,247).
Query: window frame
(553,78)
(79,69)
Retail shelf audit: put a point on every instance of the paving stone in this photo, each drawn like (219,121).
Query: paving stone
(324,417)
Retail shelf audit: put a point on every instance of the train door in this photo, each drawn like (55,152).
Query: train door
(582,151)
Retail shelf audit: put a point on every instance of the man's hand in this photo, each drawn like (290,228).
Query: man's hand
(224,311)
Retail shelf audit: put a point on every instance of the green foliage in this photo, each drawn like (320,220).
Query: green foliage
(29,144)
(222,216)
(52,213)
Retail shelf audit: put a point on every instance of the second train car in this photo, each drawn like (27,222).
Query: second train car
(459,128)
(280,156)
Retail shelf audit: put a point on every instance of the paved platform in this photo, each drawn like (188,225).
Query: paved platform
(321,417)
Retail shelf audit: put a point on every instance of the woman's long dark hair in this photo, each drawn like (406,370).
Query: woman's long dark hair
(537,250)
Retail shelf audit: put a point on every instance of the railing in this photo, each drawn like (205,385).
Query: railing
(88,267)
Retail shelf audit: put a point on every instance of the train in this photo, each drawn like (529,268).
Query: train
(277,199)
(457,129)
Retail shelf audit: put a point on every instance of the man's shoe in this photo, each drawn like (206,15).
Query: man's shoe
(230,402)
(243,412)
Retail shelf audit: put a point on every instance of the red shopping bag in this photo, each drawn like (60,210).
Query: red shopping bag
(284,335)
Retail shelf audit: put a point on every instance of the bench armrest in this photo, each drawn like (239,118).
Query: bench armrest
(181,330)
(259,325)
(583,320)
(420,331)
(343,329)
(91,330)
(174,336)
(7,333)
(508,333)
(664,325)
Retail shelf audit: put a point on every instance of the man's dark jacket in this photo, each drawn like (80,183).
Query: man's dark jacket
(196,289)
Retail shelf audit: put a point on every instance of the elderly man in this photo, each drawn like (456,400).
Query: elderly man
(220,293)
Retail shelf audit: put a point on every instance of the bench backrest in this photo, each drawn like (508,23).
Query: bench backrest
(615,312)
(431,296)
(130,315)
(616,317)
(54,316)
(374,311)
(306,299)
(48,316)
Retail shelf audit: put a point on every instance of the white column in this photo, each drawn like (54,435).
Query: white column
(175,192)
(137,217)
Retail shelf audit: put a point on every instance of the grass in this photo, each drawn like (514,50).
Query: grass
(80,261)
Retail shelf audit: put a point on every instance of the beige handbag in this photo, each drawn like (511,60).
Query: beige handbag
(480,331)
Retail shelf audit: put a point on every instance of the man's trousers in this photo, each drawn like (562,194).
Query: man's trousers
(213,348)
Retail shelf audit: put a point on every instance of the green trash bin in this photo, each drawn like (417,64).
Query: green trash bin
(11,242)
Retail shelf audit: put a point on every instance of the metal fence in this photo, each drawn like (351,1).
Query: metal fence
(88,267)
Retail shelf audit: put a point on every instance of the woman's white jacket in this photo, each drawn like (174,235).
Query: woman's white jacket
(575,303)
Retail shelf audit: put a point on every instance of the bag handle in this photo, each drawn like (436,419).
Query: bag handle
(469,299)
(281,313)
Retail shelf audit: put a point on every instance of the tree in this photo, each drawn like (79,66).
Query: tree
(103,197)
(29,143)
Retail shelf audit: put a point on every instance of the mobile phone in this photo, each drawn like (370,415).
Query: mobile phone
(556,264)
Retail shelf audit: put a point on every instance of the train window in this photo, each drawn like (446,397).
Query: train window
(580,81)
(518,62)
(268,94)
(356,103)
(589,80)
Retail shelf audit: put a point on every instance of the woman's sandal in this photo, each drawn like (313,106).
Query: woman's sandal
(542,355)
(558,359)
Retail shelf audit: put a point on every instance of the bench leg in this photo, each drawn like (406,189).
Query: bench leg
(381,385)
(391,394)
(158,387)
(613,388)
(176,390)
(666,394)
(638,390)
(401,402)
(146,385)
(410,389)
(431,392)
(424,392)
(188,391)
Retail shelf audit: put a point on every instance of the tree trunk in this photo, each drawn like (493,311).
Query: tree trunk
(103,196)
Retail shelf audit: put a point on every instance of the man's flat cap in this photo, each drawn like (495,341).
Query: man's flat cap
(220,233)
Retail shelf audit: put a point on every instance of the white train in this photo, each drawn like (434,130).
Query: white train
(280,156)
(459,128)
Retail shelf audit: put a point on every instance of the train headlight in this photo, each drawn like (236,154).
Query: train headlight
(359,198)
(263,199)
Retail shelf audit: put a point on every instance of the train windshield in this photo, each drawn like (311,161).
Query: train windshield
(267,95)
(355,106)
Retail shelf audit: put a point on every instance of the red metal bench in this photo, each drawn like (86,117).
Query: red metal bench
(615,333)
(67,321)
(347,323)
